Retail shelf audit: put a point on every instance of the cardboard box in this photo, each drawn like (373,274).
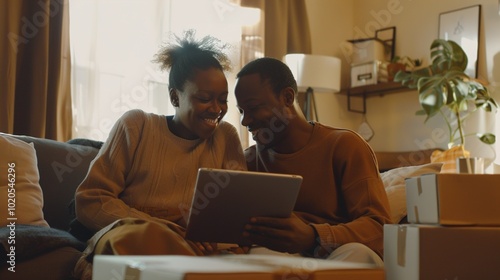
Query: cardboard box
(364,74)
(454,199)
(428,252)
(367,50)
(228,267)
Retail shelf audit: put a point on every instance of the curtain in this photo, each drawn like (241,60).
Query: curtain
(286,26)
(35,69)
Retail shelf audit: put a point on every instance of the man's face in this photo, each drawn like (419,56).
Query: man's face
(262,111)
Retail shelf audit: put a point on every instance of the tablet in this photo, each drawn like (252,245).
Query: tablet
(225,200)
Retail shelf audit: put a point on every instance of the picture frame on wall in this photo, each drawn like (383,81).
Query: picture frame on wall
(462,26)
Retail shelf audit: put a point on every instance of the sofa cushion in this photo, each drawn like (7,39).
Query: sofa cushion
(62,167)
(394,183)
(20,191)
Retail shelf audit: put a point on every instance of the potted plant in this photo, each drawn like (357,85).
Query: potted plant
(397,64)
(410,63)
(444,89)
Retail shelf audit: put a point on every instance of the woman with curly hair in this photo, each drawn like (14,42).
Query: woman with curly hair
(139,188)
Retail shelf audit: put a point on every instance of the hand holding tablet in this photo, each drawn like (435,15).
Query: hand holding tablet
(225,200)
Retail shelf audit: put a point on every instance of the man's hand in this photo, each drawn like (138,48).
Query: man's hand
(290,235)
(207,248)
(215,249)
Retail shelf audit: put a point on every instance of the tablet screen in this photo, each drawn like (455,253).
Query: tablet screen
(225,200)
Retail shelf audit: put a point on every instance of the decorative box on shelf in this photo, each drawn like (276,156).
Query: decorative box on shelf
(367,50)
(365,73)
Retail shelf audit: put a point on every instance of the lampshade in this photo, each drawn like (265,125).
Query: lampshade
(320,72)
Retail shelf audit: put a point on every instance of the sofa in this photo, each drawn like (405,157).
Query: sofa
(51,252)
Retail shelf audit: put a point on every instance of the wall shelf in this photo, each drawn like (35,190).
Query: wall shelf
(367,91)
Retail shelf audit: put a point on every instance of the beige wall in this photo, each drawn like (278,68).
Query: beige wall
(331,24)
(393,116)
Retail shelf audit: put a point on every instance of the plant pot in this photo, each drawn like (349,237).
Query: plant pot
(470,165)
(449,158)
(393,68)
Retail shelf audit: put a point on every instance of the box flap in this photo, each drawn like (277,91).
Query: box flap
(401,251)
(422,199)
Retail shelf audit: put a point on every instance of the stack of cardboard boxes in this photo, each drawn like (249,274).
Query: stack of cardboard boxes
(454,230)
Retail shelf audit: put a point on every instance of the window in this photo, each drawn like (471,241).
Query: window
(114,41)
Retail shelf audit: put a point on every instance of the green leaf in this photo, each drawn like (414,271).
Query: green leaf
(461,92)
(459,57)
(431,99)
(487,138)
(447,55)
(402,76)
(420,113)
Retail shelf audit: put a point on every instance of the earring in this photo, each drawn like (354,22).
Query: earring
(175,102)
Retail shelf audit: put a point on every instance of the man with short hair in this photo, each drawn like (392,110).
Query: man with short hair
(342,205)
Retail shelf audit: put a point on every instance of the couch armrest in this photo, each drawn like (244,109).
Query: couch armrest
(62,167)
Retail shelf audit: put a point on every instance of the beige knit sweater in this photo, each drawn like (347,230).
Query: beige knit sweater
(145,171)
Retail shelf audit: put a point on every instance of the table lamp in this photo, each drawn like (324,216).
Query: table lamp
(314,72)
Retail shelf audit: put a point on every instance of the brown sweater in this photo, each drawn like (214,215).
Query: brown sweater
(342,195)
(145,171)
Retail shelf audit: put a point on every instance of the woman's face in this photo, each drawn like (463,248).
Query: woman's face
(201,105)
